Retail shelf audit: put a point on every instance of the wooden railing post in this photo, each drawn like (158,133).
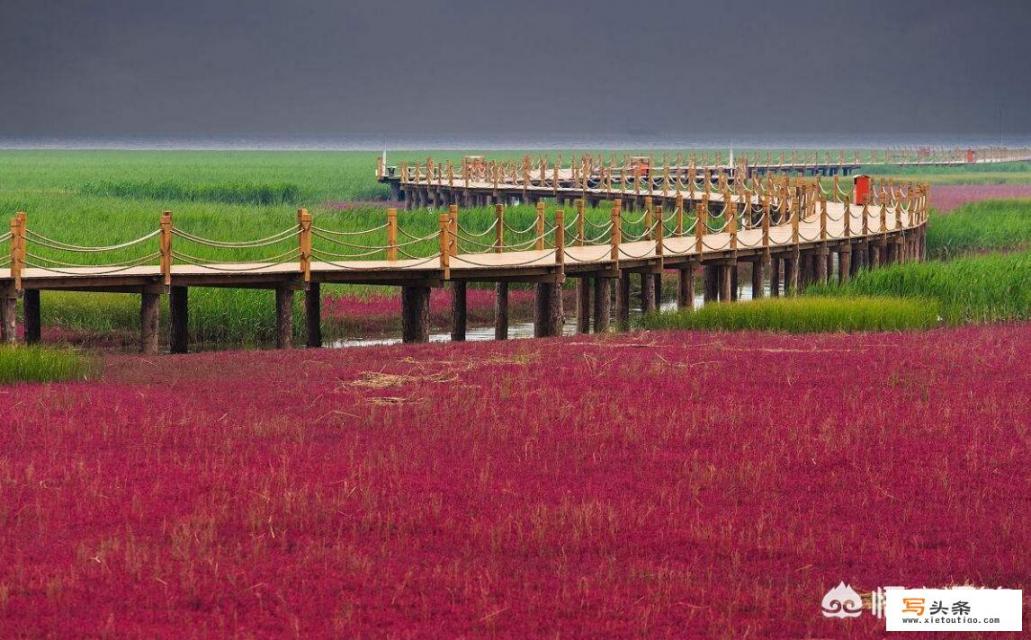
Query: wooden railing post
(499,228)
(391,234)
(452,214)
(18,248)
(795,208)
(823,218)
(659,233)
(304,242)
(731,209)
(445,244)
(647,217)
(539,226)
(679,229)
(701,225)
(580,228)
(615,234)
(766,221)
(560,238)
(165,246)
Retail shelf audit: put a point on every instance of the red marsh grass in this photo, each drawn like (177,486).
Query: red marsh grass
(946,197)
(662,484)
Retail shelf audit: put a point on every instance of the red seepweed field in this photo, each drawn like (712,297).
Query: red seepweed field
(640,485)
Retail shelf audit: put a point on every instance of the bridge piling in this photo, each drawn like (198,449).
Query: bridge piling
(822,267)
(547,316)
(775,264)
(8,311)
(685,286)
(178,306)
(757,277)
(791,273)
(602,303)
(415,313)
(31,309)
(284,317)
(726,282)
(647,293)
(710,282)
(623,301)
(313,314)
(459,310)
(501,311)
(844,262)
(150,313)
(583,304)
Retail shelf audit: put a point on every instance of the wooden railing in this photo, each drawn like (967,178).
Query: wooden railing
(722,211)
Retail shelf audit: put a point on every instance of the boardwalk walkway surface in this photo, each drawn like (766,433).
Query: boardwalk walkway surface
(791,230)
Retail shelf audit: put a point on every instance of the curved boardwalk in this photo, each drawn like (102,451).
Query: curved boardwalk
(790,230)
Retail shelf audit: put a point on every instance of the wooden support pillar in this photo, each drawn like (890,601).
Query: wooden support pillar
(711,282)
(657,283)
(647,293)
(501,311)
(758,266)
(284,317)
(875,254)
(178,330)
(775,264)
(828,258)
(602,303)
(844,263)
(33,326)
(547,317)
(821,265)
(685,286)
(805,270)
(583,305)
(726,281)
(150,314)
(415,313)
(313,314)
(791,273)
(734,270)
(8,311)
(623,301)
(459,310)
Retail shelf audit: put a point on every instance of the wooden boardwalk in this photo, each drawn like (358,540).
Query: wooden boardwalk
(790,230)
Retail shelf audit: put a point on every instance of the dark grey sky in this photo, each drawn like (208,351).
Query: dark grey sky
(309,67)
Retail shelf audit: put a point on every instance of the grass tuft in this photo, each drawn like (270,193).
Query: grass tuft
(987,288)
(41,364)
(803,315)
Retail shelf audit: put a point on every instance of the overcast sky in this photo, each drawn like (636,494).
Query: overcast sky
(476,67)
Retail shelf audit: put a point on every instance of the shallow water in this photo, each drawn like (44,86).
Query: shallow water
(520,330)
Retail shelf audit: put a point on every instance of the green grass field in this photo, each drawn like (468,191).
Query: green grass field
(1002,173)
(990,225)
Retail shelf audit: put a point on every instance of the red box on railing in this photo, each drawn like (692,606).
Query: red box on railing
(861,189)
